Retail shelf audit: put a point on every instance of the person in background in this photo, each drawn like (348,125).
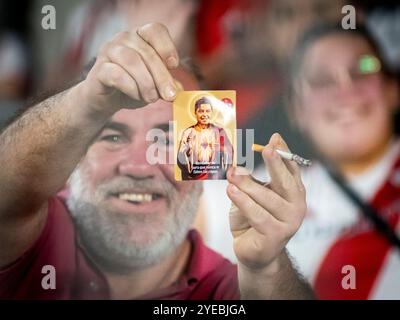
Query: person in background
(256,41)
(344,98)
(16,58)
(15,53)
(382,19)
(95,22)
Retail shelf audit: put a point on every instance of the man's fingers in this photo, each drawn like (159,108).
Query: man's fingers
(158,37)
(238,223)
(162,77)
(131,70)
(152,45)
(259,218)
(132,62)
(279,143)
(261,194)
(113,76)
(282,180)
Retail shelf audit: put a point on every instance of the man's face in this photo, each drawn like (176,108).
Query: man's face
(346,114)
(203,114)
(129,213)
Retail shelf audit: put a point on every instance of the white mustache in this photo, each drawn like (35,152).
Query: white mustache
(124,184)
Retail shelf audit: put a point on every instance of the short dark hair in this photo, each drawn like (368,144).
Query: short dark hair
(199,102)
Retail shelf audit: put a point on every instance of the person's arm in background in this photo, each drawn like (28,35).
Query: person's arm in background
(263,219)
(39,150)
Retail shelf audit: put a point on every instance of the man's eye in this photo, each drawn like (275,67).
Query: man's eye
(114,138)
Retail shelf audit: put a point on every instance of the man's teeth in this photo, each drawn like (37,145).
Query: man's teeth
(136,197)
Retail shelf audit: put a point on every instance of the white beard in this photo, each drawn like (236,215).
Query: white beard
(109,236)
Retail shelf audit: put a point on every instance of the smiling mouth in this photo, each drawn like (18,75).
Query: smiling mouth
(138,198)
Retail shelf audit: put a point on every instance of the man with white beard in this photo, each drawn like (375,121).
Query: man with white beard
(125,233)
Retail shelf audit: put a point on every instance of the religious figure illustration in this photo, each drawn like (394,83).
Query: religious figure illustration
(205,151)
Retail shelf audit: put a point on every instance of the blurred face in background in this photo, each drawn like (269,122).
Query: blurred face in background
(287,19)
(346,114)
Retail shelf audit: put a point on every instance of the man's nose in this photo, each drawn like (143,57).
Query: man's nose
(134,162)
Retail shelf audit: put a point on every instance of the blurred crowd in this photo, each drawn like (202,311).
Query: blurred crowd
(333,94)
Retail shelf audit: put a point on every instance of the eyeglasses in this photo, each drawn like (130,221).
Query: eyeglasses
(361,75)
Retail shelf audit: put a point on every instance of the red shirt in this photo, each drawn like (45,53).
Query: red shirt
(209,275)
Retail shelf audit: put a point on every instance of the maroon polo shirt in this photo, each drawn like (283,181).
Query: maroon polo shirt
(208,276)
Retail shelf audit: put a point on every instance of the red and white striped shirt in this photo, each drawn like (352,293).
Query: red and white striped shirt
(335,234)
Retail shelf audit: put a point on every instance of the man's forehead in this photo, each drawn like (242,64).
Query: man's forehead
(146,117)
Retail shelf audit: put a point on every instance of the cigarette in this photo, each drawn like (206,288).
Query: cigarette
(285,155)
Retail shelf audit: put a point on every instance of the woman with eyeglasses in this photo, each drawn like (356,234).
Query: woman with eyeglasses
(343,98)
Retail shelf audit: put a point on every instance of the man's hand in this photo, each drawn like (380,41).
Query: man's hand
(263,218)
(39,151)
(132,70)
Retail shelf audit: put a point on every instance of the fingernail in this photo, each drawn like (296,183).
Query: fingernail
(172,62)
(170,92)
